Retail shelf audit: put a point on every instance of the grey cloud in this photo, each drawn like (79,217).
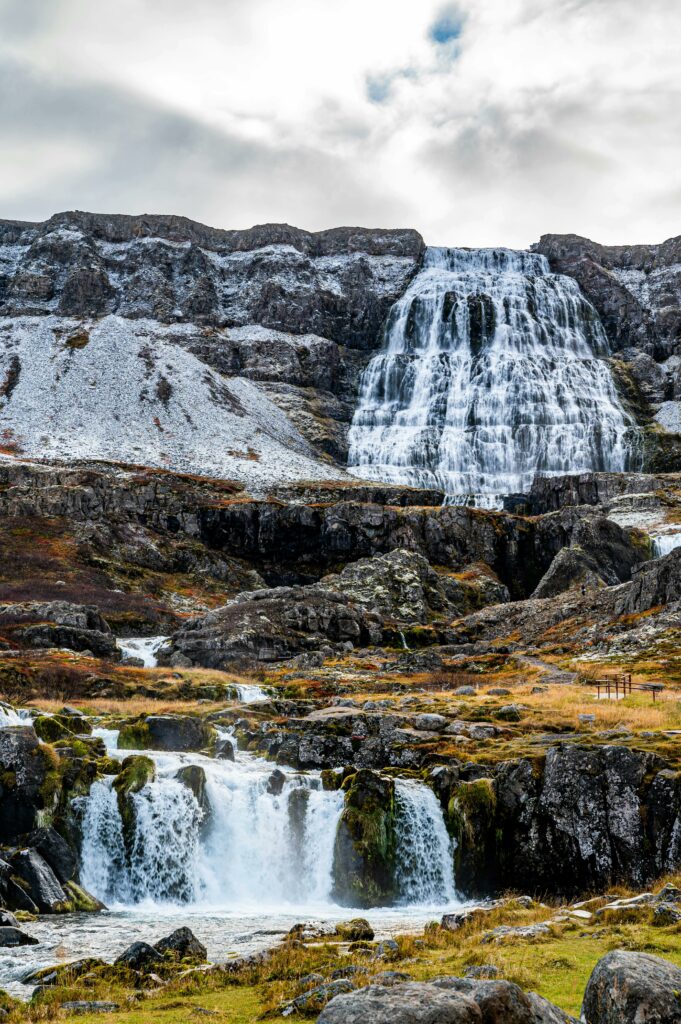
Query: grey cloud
(153,159)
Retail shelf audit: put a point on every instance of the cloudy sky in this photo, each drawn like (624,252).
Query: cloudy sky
(478,122)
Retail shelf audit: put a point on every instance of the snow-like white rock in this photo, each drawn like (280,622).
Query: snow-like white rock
(121,390)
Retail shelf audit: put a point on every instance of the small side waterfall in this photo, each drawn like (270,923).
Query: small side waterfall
(663,543)
(493,370)
(424,872)
(267,843)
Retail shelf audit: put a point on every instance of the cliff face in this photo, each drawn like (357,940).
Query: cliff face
(89,302)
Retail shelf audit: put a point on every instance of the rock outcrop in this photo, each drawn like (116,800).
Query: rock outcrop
(59,624)
(583,818)
(365,848)
(270,625)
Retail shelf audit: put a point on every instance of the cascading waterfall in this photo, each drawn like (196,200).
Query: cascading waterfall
(424,869)
(258,843)
(493,370)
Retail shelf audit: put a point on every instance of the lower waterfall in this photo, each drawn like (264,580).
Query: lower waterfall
(254,845)
(493,369)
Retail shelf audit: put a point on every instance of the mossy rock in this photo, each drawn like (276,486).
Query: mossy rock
(134,736)
(472,821)
(365,847)
(136,771)
(81,900)
(50,728)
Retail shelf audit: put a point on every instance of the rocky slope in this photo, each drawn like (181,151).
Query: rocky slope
(118,334)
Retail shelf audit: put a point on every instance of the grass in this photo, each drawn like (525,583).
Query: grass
(557,966)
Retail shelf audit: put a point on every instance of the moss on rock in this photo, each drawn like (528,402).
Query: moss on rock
(364,853)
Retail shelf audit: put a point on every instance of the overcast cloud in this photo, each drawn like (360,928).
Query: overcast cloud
(479,122)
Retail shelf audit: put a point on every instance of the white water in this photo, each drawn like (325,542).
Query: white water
(424,871)
(493,370)
(257,849)
(249,693)
(13,716)
(664,543)
(144,647)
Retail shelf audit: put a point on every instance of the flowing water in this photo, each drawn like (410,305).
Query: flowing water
(493,370)
(663,543)
(240,872)
(144,647)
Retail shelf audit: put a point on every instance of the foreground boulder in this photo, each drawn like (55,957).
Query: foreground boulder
(443,1001)
(182,944)
(633,988)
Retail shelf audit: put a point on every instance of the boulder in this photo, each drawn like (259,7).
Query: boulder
(364,851)
(139,956)
(41,883)
(315,998)
(168,732)
(194,778)
(54,849)
(10,936)
(182,944)
(631,988)
(410,1003)
(503,1001)
(356,930)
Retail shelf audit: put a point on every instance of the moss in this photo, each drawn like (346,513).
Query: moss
(51,784)
(135,736)
(80,900)
(365,848)
(52,727)
(8,779)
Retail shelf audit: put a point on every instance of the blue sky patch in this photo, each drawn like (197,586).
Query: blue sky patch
(447,27)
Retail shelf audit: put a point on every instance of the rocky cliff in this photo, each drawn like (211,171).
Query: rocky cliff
(161,341)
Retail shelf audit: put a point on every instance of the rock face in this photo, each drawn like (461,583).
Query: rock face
(635,288)
(637,292)
(288,315)
(401,585)
(364,852)
(588,816)
(628,988)
(269,625)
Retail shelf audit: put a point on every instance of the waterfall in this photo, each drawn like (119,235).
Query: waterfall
(264,842)
(664,543)
(267,842)
(145,648)
(425,871)
(493,370)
